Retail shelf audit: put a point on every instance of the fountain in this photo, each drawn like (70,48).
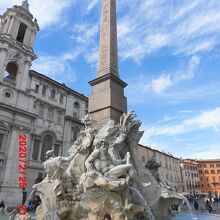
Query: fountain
(103,176)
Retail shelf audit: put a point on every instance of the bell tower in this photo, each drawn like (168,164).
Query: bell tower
(17,35)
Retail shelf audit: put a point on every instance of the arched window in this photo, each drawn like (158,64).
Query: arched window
(21,32)
(11,71)
(76,109)
(47,144)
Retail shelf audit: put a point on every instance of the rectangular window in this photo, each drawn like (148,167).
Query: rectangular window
(75,133)
(59,117)
(56,149)
(50,115)
(21,32)
(44,89)
(1,140)
(36,90)
(61,98)
(53,94)
(36,148)
(41,110)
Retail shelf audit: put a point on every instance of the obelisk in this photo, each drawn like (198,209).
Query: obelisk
(107,100)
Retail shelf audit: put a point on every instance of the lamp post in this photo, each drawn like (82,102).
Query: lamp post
(181,174)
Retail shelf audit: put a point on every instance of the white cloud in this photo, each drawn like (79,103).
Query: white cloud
(92,4)
(165,81)
(205,152)
(47,12)
(71,55)
(205,120)
(186,27)
(162,83)
(56,68)
(84,35)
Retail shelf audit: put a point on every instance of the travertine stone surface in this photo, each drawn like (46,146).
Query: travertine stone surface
(107,100)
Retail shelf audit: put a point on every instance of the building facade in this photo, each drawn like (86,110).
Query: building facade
(170,165)
(190,175)
(209,174)
(47,112)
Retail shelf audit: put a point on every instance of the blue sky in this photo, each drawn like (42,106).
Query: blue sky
(169,54)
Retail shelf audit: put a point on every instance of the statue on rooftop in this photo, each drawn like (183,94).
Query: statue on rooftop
(25,5)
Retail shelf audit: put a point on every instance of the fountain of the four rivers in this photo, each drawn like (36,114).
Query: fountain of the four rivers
(102,173)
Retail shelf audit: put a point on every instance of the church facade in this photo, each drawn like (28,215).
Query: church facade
(47,112)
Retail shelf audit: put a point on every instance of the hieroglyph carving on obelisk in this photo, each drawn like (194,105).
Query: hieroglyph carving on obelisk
(108,51)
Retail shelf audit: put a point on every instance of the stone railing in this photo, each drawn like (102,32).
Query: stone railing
(9,82)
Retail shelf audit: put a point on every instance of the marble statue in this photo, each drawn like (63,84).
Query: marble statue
(104,175)
(153,167)
(53,166)
(105,171)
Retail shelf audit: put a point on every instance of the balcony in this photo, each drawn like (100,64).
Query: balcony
(9,82)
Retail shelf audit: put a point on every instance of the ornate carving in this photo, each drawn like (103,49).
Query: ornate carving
(21,128)
(15,56)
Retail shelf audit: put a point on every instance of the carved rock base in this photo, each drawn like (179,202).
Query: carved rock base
(99,202)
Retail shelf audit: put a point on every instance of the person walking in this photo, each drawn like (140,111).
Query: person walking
(216,200)
(209,207)
(196,205)
(2,208)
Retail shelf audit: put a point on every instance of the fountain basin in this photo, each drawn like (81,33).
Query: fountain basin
(195,216)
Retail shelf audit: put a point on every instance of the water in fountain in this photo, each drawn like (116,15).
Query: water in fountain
(30,197)
(142,201)
(188,204)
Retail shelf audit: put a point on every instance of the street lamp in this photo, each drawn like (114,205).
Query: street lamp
(181,165)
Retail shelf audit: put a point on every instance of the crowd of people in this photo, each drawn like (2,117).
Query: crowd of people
(31,205)
(204,204)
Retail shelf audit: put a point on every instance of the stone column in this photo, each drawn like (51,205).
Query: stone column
(25,77)
(31,39)
(3,54)
(11,27)
(7,26)
(15,29)
(27,37)
(10,191)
